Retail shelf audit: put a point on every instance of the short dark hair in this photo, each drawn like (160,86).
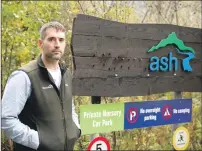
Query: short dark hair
(52,24)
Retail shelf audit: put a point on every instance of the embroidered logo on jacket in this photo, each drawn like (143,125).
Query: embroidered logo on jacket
(48,87)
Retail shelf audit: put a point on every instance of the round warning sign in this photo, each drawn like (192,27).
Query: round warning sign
(181,138)
(99,143)
(167,112)
(132,115)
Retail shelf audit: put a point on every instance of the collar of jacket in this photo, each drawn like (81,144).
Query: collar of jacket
(62,66)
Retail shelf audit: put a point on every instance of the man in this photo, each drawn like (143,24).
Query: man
(37,108)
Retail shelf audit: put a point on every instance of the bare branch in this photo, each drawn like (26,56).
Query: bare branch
(161,14)
(125,11)
(81,7)
(116,12)
(95,12)
(103,8)
(145,14)
(168,9)
(109,8)
(176,12)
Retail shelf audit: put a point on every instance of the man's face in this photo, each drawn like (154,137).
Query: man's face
(53,44)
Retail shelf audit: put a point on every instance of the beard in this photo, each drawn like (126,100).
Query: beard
(54,56)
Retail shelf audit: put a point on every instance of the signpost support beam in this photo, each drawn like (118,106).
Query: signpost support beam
(177,95)
(95,100)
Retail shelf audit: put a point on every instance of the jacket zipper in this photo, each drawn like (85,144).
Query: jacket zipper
(64,121)
(63,115)
(61,102)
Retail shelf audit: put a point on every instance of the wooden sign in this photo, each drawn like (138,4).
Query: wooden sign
(115,59)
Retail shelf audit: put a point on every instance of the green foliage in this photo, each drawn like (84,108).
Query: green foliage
(21,21)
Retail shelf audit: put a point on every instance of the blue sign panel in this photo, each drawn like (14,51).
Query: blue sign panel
(155,113)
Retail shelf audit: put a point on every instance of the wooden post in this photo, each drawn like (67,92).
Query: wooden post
(95,100)
(178,95)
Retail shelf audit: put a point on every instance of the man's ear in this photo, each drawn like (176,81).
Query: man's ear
(40,43)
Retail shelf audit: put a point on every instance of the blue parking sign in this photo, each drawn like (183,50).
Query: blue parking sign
(155,113)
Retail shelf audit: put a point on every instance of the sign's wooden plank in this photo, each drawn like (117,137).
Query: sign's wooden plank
(151,31)
(86,27)
(120,87)
(85,45)
(108,67)
(114,47)
(192,35)
(91,73)
(89,25)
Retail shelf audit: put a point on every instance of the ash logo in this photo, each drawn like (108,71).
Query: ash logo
(171,63)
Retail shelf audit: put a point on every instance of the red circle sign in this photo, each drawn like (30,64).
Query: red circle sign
(99,143)
(167,112)
(132,115)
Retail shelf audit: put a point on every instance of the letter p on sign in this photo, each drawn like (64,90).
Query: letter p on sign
(132,115)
